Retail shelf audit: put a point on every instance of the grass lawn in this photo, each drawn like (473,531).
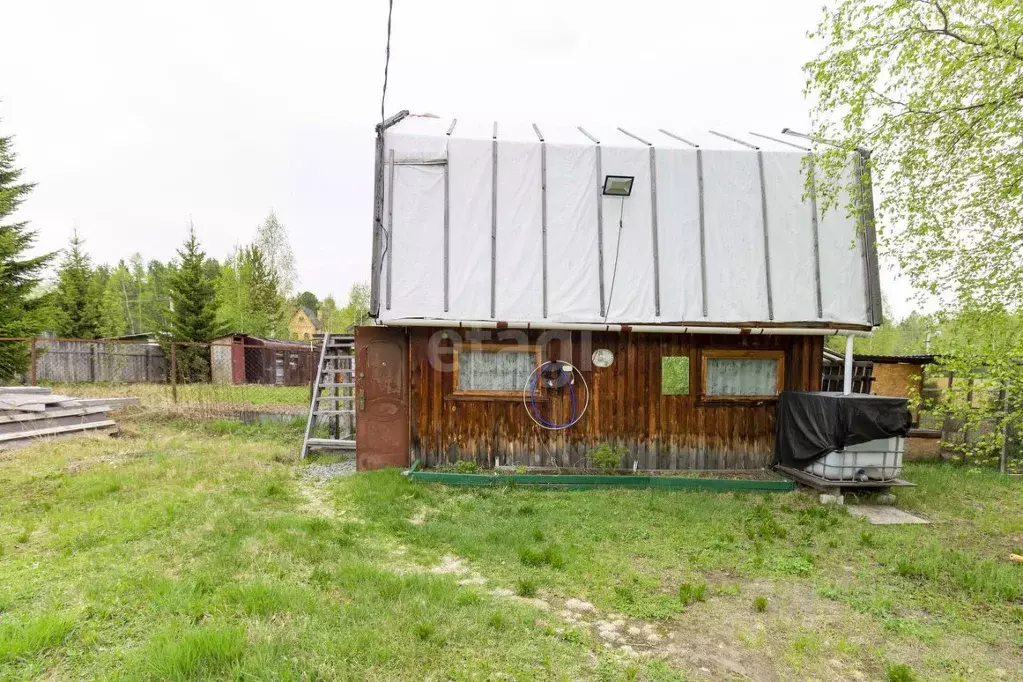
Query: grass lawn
(201,551)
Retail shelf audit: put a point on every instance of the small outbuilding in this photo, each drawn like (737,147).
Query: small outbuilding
(245,359)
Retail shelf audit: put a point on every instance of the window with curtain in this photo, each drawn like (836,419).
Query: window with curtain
(498,370)
(742,373)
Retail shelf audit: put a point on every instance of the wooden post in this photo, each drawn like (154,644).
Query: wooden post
(32,361)
(174,372)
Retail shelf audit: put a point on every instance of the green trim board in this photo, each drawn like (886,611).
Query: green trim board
(589,481)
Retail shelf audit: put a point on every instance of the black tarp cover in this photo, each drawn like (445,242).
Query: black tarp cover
(810,425)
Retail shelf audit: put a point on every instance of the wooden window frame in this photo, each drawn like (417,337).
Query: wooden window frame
(711,353)
(483,394)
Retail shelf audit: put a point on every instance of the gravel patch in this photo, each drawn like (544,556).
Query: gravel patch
(324,471)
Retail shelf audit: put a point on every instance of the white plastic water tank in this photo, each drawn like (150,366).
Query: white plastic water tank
(876,460)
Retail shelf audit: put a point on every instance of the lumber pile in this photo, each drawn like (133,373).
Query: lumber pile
(28,413)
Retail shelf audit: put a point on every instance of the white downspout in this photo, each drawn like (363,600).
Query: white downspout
(847,388)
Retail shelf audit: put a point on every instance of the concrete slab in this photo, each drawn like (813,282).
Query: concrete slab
(884,516)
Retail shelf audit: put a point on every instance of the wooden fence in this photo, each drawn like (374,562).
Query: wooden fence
(73,361)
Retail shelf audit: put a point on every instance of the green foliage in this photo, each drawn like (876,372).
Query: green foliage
(550,555)
(526,587)
(689,593)
(466,466)
(935,91)
(307,299)
(78,294)
(760,603)
(195,311)
(675,375)
(273,242)
(898,672)
(21,312)
(607,457)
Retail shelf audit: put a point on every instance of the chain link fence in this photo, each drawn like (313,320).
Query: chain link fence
(240,377)
(976,417)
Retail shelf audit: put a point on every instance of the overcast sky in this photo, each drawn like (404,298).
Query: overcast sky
(136,117)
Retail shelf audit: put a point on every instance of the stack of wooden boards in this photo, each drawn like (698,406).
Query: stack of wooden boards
(28,413)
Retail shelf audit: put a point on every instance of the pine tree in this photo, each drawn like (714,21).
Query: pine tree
(266,305)
(77,296)
(20,311)
(195,310)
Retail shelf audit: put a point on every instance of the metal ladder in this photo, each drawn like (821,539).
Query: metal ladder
(333,396)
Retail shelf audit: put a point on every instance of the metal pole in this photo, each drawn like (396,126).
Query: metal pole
(847,384)
(174,372)
(1003,456)
(32,361)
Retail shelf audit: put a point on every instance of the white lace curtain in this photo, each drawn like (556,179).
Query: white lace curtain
(742,376)
(494,370)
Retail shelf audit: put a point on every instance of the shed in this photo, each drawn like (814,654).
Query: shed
(687,277)
(245,359)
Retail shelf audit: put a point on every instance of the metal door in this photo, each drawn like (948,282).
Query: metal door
(381,398)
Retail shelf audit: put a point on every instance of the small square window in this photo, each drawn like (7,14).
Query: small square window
(675,375)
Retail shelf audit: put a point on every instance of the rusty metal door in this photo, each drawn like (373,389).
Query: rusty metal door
(382,398)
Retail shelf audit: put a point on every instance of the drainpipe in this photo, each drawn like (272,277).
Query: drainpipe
(847,388)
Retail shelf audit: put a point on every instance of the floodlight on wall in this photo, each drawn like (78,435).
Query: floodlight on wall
(618,185)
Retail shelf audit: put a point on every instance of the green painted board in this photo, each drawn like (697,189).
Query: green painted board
(589,481)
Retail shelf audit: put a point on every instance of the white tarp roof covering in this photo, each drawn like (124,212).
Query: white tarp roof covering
(464,241)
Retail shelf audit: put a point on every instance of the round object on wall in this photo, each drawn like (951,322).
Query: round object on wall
(603,357)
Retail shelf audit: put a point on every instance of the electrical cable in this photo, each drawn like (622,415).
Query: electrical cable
(383,120)
(614,272)
(387,63)
(530,390)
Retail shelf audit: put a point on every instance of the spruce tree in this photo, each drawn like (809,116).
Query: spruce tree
(78,295)
(20,312)
(265,301)
(195,310)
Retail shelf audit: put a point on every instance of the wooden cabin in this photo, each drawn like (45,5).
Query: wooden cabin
(686,277)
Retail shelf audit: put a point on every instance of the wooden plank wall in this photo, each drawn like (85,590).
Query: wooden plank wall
(626,407)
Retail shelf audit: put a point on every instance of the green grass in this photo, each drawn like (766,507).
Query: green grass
(187,550)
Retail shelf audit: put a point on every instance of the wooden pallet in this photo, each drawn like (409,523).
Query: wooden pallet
(828,485)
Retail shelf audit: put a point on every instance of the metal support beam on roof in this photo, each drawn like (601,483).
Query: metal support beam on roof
(493,228)
(600,220)
(767,239)
(543,212)
(677,137)
(390,229)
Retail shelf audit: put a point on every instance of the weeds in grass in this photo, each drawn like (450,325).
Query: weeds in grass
(972,574)
(498,621)
(537,535)
(899,672)
(550,555)
(689,593)
(197,653)
(425,631)
(526,587)
(607,457)
(760,603)
(525,510)
(867,539)
(32,636)
(761,524)
(465,466)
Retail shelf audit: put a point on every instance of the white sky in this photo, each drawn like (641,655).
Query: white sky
(134,117)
